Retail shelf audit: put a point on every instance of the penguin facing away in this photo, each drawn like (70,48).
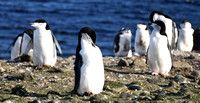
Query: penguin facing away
(185,39)
(89,68)
(122,43)
(44,44)
(169,25)
(159,53)
(22,45)
(142,38)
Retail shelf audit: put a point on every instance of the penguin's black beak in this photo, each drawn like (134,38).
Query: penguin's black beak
(31,24)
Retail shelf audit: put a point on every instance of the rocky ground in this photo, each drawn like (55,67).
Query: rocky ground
(126,80)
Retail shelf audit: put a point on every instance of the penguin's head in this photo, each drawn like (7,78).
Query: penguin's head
(185,24)
(124,31)
(160,26)
(39,24)
(88,34)
(141,26)
(157,14)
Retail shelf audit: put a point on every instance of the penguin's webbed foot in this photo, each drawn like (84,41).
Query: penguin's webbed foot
(154,73)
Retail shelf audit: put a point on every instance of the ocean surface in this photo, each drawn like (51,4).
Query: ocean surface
(107,17)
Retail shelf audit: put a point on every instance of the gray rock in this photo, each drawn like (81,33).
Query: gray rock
(179,78)
(152,80)
(123,62)
(134,87)
(124,95)
(195,74)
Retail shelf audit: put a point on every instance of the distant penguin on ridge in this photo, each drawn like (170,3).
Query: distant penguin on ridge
(22,45)
(185,39)
(171,30)
(122,43)
(142,38)
(44,44)
(89,68)
(159,53)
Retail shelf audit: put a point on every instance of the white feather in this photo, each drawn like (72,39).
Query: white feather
(142,39)
(158,54)
(124,38)
(92,70)
(185,39)
(15,51)
(44,51)
(168,25)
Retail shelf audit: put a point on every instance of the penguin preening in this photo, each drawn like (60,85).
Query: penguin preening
(89,69)
(170,25)
(122,43)
(159,53)
(22,45)
(142,38)
(44,44)
(185,39)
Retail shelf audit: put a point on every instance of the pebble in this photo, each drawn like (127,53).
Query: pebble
(152,80)
(195,74)
(179,78)
(124,95)
(134,87)
(123,62)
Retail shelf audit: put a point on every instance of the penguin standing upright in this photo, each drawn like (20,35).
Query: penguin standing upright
(44,44)
(170,26)
(122,43)
(22,44)
(142,38)
(159,54)
(185,39)
(89,69)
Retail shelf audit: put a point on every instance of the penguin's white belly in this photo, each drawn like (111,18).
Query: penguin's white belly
(159,56)
(124,47)
(92,70)
(141,42)
(15,52)
(185,41)
(44,52)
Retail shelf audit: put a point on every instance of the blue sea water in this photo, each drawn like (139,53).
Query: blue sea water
(67,17)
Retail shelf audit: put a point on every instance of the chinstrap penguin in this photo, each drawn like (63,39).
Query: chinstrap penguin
(122,43)
(89,68)
(159,55)
(170,26)
(22,46)
(185,39)
(44,44)
(142,38)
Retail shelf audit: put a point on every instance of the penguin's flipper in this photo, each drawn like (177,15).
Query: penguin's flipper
(116,44)
(147,54)
(77,71)
(57,44)
(170,51)
(29,46)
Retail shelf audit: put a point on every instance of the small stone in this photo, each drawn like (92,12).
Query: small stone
(179,78)
(124,95)
(195,74)
(54,101)
(35,101)
(152,80)
(134,87)
(28,76)
(140,63)
(123,62)
(198,82)
(145,93)
(159,97)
